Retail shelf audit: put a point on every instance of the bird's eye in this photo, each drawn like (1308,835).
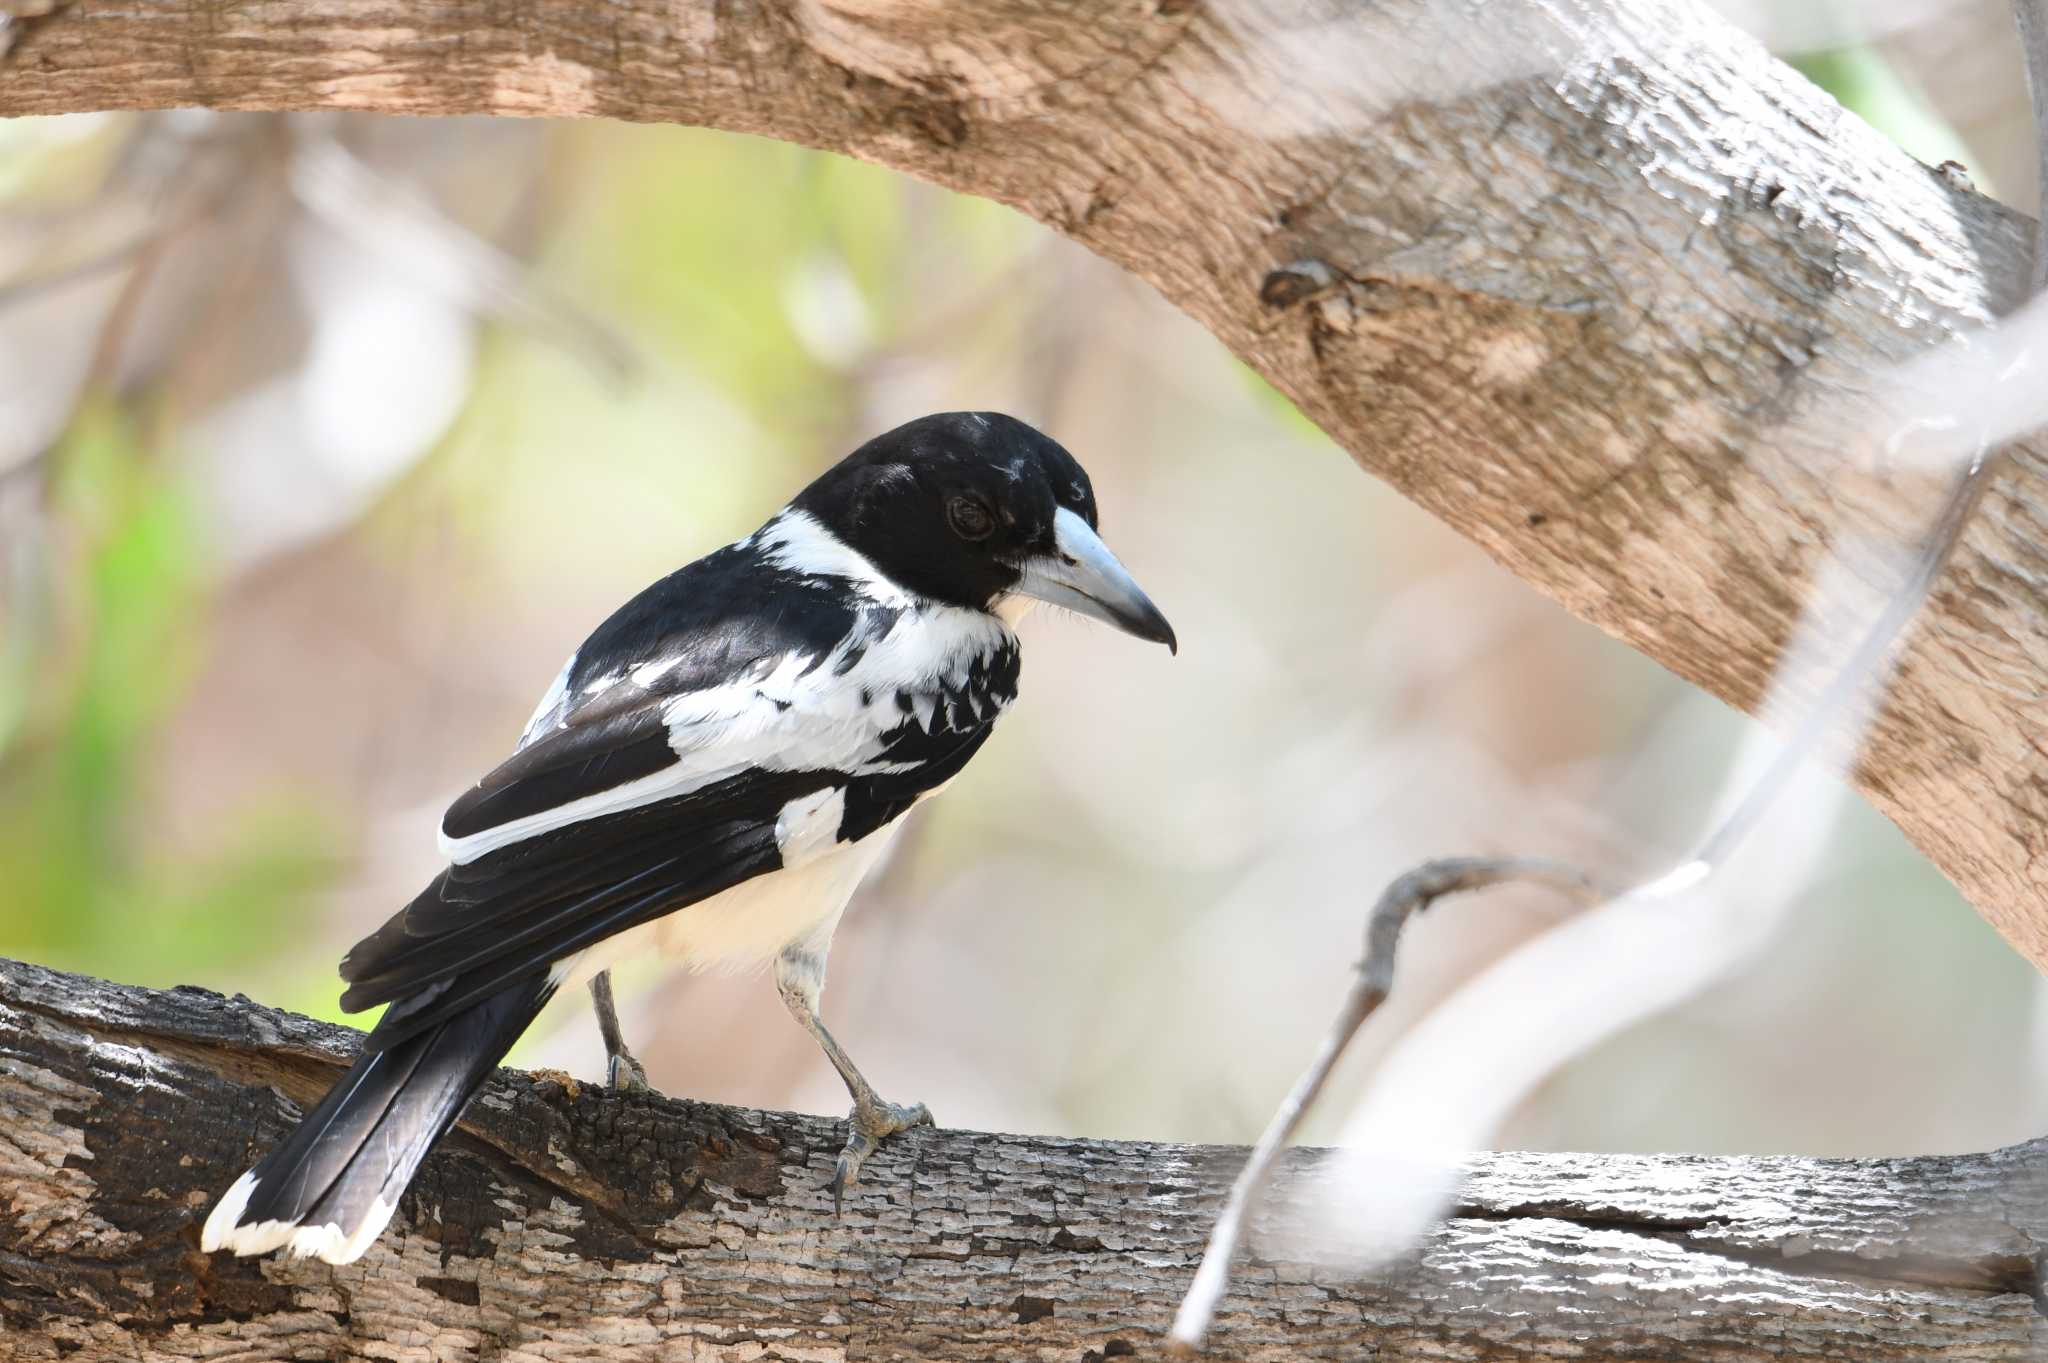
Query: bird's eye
(970,519)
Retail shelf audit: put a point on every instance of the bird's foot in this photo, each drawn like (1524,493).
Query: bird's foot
(627,1074)
(871,1125)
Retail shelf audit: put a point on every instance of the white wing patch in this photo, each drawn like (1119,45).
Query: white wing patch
(809,825)
(631,795)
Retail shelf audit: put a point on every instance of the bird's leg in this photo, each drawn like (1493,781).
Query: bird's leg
(800,977)
(622,1069)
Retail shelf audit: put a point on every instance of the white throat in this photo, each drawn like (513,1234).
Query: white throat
(1014,607)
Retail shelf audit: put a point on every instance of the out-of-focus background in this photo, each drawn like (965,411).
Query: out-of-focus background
(323,441)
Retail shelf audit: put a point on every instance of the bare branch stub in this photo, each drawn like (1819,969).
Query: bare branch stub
(1418,889)
(1408,895)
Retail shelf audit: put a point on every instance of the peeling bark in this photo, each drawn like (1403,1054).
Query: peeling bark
(1573,299)
(571,1221)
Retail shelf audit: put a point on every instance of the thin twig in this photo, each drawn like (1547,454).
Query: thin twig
(1406,897)
(393,221)
(1865,665)
(263,204)
(121,317)
(17,291)
(141,255)
(1419,888)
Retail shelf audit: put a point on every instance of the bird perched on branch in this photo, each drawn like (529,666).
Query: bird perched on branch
(710,776)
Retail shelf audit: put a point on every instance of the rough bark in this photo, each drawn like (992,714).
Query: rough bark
(1560,271)
(565,1221)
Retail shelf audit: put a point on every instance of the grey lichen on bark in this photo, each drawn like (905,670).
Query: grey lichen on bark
(1601,285)
(566,1220)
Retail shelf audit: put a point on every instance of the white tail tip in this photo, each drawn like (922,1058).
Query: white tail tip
(328,1242)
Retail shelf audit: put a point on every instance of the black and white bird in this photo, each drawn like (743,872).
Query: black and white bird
(710,776)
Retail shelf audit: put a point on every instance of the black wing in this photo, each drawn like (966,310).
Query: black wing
(482,924)
(509,913)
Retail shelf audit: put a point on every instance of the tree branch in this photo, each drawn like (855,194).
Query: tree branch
(1574,299)
(566,1219)
(1839,701)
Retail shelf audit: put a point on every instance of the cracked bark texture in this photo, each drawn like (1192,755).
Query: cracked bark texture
(1573,275)
(572,1222)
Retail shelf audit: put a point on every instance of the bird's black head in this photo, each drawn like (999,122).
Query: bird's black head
(968,508)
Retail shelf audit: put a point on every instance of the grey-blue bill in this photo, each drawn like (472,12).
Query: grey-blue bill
(1085,577)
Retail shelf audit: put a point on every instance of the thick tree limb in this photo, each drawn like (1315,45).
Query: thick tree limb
(1575,312)
(565,1221)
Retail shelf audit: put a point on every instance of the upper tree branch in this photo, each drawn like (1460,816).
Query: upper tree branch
(561,1221)
(1572,299)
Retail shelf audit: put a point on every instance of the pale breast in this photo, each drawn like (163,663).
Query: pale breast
(747,926)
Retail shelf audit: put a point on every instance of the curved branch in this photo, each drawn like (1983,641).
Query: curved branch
(563,1220)
(1573,288)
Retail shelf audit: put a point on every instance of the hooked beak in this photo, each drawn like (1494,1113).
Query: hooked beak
(1082,575)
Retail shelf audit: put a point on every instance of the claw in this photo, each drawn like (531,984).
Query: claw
(869,1127)
(628,1075)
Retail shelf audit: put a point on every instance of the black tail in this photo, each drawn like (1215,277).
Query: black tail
(332,1186)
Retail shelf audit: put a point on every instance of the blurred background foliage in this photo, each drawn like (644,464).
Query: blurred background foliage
(323,440)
